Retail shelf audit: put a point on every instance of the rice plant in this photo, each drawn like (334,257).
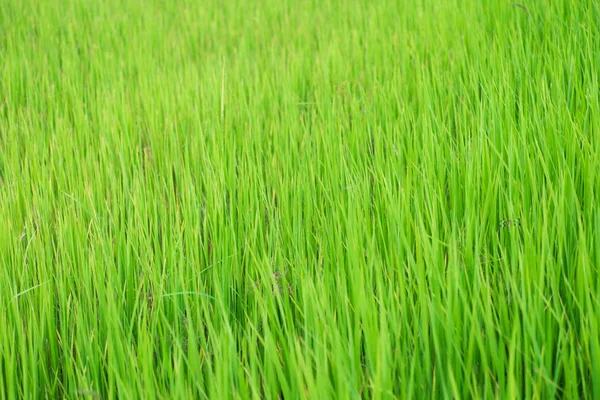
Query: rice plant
(274,199)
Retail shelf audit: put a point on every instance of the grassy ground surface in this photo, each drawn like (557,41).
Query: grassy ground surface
(299,199)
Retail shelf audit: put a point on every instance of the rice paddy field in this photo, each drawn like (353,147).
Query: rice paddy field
(281,199)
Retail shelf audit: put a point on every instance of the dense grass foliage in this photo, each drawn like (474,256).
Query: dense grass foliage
(299,199)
